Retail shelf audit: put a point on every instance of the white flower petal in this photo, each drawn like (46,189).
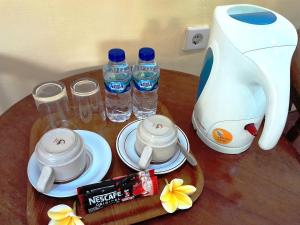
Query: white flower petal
(77,221)
(165,194)
(186,189)
(52,222)
(175,183)
(59,212)
(184,201)
(171,205)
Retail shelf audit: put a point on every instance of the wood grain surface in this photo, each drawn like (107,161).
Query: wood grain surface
(253,188)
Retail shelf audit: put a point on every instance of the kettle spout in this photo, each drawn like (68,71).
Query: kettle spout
(274,77)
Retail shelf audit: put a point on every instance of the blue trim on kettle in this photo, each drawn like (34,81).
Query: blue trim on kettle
(204,75)
(256,18)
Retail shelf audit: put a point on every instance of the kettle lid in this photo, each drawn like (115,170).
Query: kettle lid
(251,27)
(252,15)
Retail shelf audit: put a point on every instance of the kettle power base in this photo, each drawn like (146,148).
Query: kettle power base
(213,145)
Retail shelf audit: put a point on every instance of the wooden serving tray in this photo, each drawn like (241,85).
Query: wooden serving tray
(123,213)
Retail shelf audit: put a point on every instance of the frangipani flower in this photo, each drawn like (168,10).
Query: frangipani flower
(63,215)
(175,195)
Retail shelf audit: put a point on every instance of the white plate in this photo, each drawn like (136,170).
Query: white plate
(101,157)
(126,150)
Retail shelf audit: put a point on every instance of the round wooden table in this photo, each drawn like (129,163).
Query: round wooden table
(255,187)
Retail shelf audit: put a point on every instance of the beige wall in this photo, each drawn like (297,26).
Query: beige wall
(51,39)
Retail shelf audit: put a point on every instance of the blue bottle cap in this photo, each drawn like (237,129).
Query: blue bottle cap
(116,55)
(146,54)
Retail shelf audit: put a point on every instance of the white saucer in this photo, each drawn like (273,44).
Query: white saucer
(126,150)
(100,161)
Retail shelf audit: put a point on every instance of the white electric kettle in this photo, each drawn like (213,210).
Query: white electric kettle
(245,76)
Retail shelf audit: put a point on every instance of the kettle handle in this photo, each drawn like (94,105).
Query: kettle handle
(274,66)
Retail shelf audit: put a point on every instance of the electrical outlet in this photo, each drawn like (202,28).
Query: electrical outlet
(196,37)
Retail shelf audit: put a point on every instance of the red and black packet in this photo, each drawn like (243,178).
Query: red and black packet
(119,189)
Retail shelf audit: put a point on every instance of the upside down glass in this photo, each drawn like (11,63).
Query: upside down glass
(52,103)
(88,105)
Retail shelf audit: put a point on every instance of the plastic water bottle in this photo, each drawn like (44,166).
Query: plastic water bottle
(117,79)
(145,79)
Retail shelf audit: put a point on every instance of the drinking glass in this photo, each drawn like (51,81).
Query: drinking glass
(87,101)
(52,103)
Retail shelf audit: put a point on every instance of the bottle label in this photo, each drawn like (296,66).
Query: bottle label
(145,85)
(146,80)
(117,86)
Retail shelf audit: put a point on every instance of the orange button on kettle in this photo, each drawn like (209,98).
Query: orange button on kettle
(222,136)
